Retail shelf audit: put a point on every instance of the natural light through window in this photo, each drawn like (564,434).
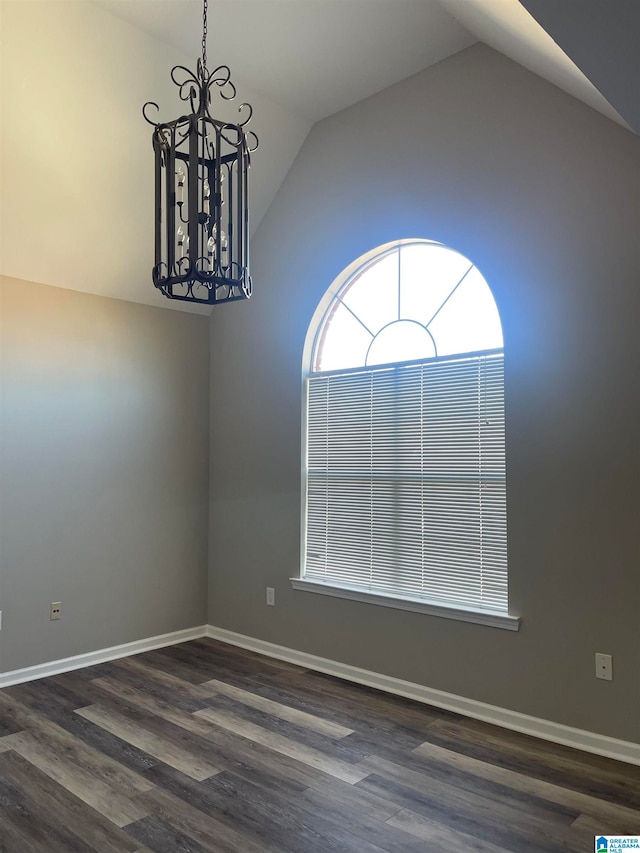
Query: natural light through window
(404,498)
(416,301)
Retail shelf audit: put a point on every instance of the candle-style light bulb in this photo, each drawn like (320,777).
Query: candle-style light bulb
(180,175)
(206,191)
(180,236)
(224,242)
(211,250)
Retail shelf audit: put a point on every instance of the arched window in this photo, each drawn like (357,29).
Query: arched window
(404,481)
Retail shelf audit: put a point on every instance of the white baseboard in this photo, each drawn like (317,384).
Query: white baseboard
(55,667)
(545,729)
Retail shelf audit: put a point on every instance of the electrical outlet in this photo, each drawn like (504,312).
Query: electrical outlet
(271,596)
(56,610)
(604,667)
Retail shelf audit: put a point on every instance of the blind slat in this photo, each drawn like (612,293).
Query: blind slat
(406,480)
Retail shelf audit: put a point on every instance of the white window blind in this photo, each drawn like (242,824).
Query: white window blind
(405,486)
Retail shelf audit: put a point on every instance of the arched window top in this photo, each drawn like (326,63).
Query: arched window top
(404,483)
(414,300)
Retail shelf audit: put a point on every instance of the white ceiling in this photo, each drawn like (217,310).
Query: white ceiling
(316,57)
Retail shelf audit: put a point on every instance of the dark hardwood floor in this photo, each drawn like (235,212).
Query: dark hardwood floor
(206,747)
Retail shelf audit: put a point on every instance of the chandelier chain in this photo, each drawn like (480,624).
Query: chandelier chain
(204,35)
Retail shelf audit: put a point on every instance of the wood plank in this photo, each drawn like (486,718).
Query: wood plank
(440,837)
(212,834)
(439,772)
(364,710)
(276,820)
(368,828)
(82,688)
(342,748)
(278,743)
(139,666)
(552,762)
(163,749)
(14,716)
(396,742)
(34,693)
(162,837)
(221,650)
(482,817)
(254,812)
(295,696)
(74,752)
(82,779)
(177,696)
(468,792)
(380,709)
(304,763)
(228,750)
(49,803)
(601,824)
(97,738)
(180,669)
(610,813)
(20,832)
(206,663)
(277,709)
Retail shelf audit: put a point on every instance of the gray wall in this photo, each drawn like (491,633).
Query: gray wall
(104,471)
(542,193)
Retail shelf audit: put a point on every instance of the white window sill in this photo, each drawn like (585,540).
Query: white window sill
(480,617)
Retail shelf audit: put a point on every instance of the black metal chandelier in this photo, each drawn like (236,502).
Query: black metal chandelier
(201,191)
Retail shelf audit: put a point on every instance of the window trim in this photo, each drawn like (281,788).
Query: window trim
(495,619)
(415,605)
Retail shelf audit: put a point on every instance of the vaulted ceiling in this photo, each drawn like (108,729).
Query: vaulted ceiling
(316,57)
(92,63)
(313,58)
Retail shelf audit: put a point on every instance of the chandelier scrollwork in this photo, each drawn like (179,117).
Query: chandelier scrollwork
(201,190)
